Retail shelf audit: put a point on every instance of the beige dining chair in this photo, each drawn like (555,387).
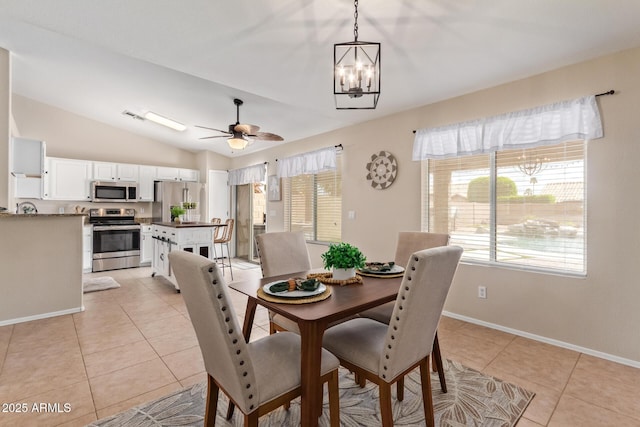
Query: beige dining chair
(259,376)
(280,253)
(382,353)
(408,243)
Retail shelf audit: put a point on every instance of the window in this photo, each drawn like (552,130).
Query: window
(313,204)
(523,208)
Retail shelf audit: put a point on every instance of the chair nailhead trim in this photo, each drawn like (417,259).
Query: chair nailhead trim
(248,386)
(230,331)
(385,368)
(241,362)
(389,346)
(215,282)
(406,287)
(210,269)
(413,269)
(386,356)
(244,374)
(251,407)
(415,259)
(219,296)
(224,308)
(251,397)
(235,341)
(384,376)
(226,319)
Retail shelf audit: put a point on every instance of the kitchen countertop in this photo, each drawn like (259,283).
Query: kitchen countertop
(187,224)
(10,214)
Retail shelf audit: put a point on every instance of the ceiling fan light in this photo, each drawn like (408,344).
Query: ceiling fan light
(237,143)
(157,118)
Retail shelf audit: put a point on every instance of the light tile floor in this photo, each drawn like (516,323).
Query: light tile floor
(135,343)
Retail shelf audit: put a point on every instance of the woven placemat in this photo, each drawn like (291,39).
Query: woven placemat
(382,276)
(283,300)
(328,279)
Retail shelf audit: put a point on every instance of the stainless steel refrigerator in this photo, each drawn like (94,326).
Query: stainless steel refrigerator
(168,193)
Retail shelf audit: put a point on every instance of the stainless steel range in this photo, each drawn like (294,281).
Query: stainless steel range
(116,239)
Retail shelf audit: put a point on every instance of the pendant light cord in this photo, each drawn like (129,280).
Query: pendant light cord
(355,23)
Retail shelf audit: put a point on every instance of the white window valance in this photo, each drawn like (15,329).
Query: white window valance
(255,173)
(308,163)
(545,125)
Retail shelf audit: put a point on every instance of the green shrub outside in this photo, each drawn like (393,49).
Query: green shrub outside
(478,189)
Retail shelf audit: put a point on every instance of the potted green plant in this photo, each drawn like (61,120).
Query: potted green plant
(176,212)
(344,259)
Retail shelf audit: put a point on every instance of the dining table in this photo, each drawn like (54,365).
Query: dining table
(313,319)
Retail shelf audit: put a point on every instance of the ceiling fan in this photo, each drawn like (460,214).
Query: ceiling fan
(240,134)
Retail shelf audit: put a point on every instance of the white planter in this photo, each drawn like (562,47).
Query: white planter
(344,273)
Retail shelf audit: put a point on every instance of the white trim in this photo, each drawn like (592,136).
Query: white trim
(557,343)
(41,316)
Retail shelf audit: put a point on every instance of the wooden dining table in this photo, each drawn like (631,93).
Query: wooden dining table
(313,319)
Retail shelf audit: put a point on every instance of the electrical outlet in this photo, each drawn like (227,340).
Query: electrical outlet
(482,292)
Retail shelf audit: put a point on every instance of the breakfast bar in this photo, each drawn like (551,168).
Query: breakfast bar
(41,266)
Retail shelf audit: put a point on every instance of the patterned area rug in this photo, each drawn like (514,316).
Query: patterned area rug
(99,284)
(473,399)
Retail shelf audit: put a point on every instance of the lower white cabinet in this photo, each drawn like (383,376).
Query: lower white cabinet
(197,239)
(87,248)
(146,245)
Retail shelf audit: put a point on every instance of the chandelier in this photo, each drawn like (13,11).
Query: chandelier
(531,166)
(356,72)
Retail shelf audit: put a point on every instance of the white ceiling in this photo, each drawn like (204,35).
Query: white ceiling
(189,59)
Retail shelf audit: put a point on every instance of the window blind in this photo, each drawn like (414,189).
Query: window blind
(313,204)
(523,207)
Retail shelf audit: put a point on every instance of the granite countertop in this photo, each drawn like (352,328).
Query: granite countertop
(186,224)
(10,214)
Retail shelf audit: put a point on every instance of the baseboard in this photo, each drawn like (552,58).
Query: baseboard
(41,316)
(557,343)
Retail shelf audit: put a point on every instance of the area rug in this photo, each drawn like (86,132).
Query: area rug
(99,284)
(473,399)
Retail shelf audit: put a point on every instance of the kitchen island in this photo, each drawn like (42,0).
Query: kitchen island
(195,237)
(40,266)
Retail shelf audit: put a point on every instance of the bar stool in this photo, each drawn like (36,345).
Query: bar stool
(223,238)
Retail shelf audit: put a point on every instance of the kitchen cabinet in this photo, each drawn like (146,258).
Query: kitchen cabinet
(68,179)
(103,171)
(177,174)
(146,176)
(146,245)
(196,238)
(28,167)
(87,248)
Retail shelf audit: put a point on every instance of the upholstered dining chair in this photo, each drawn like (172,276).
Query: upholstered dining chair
(384,353)
(259,376)
(282,253)
(408,243)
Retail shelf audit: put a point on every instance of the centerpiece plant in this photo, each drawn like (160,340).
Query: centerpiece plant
(176,212)
(344,258)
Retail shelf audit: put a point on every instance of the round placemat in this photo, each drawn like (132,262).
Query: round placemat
(328,279)
(263,295)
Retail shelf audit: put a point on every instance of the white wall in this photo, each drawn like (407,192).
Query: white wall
(5,115)
(600,312)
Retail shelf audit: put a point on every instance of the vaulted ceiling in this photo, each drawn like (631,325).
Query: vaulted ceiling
(189,59)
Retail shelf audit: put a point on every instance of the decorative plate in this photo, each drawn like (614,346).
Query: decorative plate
(293,294)
(383,169)
(396,269)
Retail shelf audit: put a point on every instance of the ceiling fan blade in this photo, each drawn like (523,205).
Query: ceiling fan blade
(246,129)
(266,136)
(217,130)
(217,136)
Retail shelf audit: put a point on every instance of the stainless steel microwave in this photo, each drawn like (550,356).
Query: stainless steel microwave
(107,191)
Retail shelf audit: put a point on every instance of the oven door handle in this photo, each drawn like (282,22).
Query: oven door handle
(115,227)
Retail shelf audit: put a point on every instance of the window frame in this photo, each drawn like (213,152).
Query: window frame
(287,199)
(493,219)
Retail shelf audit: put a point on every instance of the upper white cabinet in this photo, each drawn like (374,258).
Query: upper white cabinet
(68,179)
(146,176)
(28,167)
(177,174)
(103,171)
